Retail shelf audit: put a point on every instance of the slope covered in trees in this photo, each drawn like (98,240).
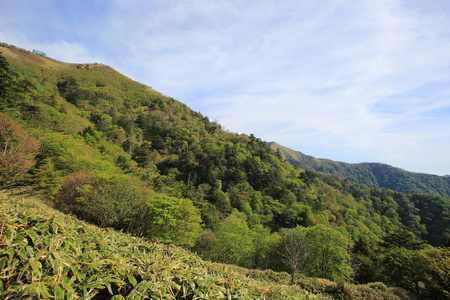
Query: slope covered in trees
(45,254)
(119,154)
(91,263)
(372,174)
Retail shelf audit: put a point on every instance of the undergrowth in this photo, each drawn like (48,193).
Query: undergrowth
(45,254)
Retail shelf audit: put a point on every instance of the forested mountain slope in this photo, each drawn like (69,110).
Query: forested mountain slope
(95,263)
(119,154)
(372,174)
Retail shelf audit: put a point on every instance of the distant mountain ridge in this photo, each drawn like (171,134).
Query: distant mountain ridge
(372,174)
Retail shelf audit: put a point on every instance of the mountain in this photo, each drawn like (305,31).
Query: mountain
(372,174)
(119,155)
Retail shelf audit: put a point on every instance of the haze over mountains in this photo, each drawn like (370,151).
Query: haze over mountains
(372,174)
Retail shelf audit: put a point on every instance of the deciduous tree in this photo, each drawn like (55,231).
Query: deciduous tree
(328,253)
(173,220)
(317,251)
(233,242)
(17,151)
(295,249)
(438,277)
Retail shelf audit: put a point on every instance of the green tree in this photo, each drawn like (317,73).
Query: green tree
(266,246)
(403,267)
(401,262)
(188,224)
(233,242)
(221,201)
(172,220)
(12,90)
(438,275)
(402,237)
(328,256)
(45,178)
(297,214)
(362,260)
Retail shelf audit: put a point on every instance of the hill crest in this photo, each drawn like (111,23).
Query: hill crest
(373,174)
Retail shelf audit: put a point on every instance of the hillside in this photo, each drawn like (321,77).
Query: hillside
(118,154)
(53,255)
(99,263)
(372,174)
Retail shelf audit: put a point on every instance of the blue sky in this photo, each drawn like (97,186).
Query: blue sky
(354,81)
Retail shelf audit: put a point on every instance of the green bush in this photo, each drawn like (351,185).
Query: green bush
(108,201)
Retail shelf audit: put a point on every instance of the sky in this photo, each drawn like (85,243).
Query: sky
(353,81)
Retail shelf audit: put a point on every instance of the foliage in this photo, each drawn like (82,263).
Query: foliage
(45,178)
(11,87)
(328,256)
(266,246)
(122,202)
(371,174)
(438,275)
(233,241)
(44,255)
(119,154)
(362,260)
(173,220)
(17,151)
(372,291)
(434,212)
(403,267)
(428,217)
(70,154)
(316,251)
(117,201)
(295,249)
(402,238)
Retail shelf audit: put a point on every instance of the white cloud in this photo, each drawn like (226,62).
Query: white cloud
(351,80)
(69,52)
(60,50)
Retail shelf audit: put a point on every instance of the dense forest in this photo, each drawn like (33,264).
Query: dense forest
(372,174)
(118,154)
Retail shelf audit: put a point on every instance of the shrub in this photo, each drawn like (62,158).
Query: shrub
(65,199)
(108,201)
(269,275)
(377,286)
(123,202)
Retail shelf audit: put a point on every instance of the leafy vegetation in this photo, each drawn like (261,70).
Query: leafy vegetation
(371,174)
(46,255)
(17,151)
(118,154)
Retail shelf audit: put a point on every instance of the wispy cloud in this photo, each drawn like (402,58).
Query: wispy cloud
(346,80)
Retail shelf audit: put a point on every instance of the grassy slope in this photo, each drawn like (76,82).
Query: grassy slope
(19,57)
(47,254)
(28,57)
(372,174)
